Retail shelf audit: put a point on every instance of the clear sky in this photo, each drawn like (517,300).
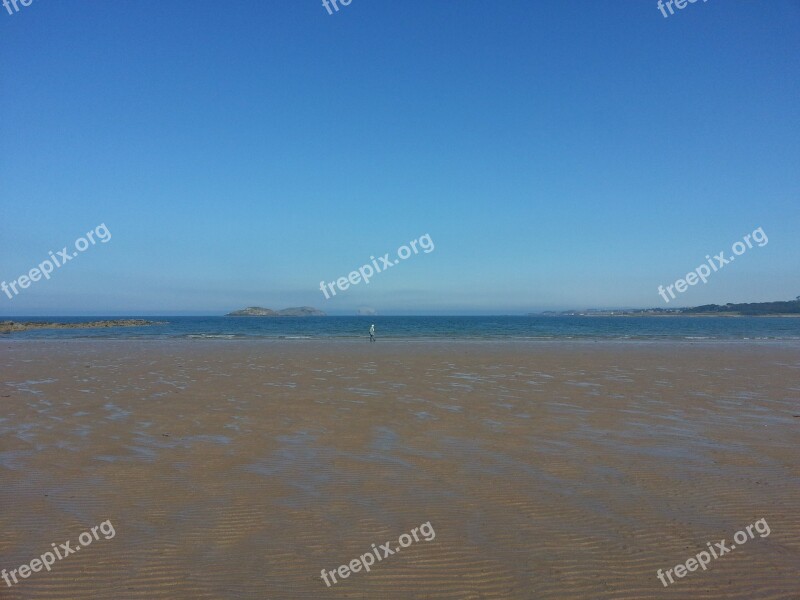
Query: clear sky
(560,154)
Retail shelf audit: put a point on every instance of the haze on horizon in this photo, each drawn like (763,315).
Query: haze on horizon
(559,155)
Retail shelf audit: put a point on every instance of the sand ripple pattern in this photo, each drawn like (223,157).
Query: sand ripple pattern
(240,469)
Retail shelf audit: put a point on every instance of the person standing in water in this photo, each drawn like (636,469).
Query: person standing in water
(372,332)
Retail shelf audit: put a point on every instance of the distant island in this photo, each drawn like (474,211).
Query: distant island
(11,326)
(257,311)
(790,308)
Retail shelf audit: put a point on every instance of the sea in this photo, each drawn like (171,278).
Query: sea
(433,327)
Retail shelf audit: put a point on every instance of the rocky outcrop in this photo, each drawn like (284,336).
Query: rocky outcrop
(12,326)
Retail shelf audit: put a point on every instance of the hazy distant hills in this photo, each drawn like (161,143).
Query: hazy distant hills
(754,309)
(257,311)
(751,309)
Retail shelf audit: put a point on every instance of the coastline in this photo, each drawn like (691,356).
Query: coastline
(687,315)
(426,328)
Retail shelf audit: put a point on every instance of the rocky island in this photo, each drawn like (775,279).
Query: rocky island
(12,326)
(257,311)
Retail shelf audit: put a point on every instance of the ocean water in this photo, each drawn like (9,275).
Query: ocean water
(510,327)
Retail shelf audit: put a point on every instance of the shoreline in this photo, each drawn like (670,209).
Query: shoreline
(323,344)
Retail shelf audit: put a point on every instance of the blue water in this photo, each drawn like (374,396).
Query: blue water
(568,327)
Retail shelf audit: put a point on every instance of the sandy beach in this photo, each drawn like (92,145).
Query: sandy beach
(241,469)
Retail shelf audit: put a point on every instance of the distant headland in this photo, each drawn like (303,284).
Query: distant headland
(789,308)
(257,311)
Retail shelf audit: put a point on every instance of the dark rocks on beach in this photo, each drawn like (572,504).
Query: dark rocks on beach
(11,326)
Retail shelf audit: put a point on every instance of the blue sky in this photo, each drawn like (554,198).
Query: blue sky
(564,154)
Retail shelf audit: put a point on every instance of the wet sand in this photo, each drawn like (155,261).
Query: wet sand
(547,470)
